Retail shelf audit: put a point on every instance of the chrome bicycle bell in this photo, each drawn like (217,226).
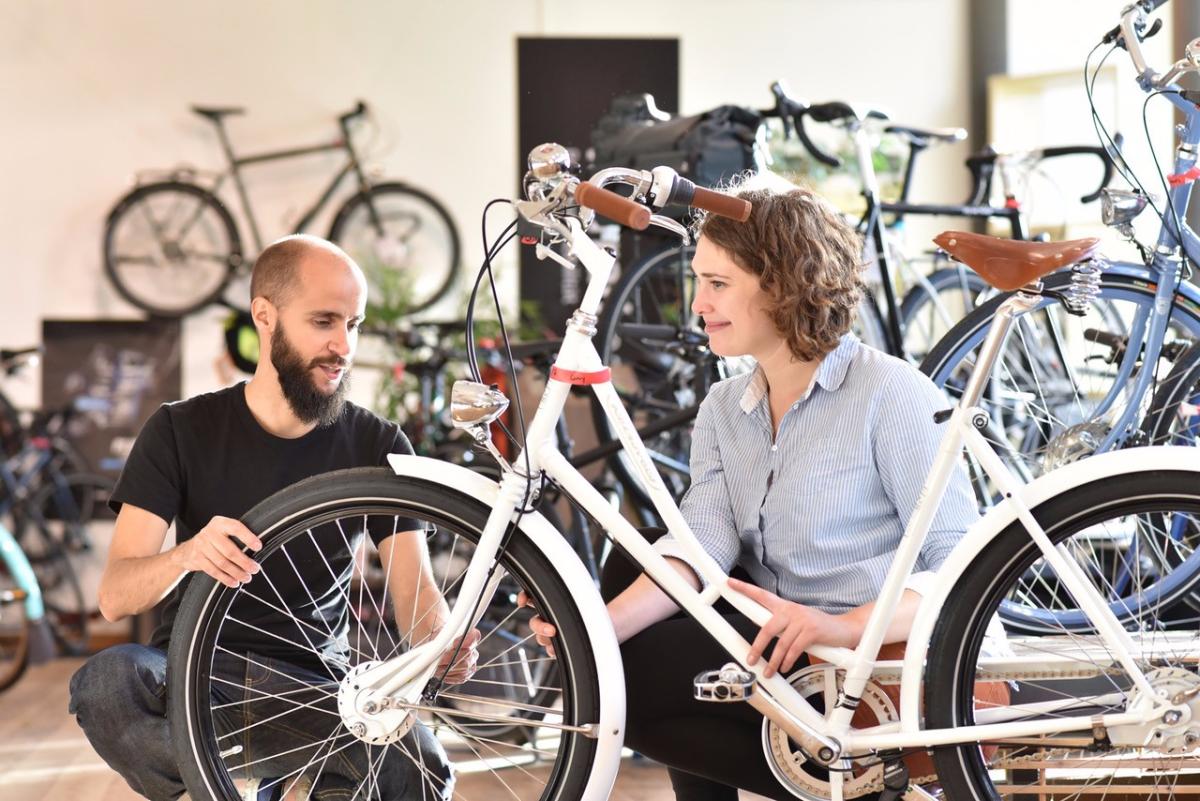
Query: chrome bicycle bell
(1118,208)
(475,405)
(549,162)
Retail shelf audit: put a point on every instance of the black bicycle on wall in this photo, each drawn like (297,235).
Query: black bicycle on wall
(171,247)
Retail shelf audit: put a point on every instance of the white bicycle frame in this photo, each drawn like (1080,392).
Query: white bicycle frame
(774,696)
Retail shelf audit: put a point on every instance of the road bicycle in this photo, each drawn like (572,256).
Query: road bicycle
(172,247)
(1100,707)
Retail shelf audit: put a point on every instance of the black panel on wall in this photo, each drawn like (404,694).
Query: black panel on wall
(563,86)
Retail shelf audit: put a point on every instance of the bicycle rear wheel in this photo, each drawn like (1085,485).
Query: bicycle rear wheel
(931,309)
(170,248)
(224,705)
(404,240)
(1071,673)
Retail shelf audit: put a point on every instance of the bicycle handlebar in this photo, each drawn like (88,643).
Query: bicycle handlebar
(359,109)
(1085,150)
(685,193)
(982,166)
(611,205)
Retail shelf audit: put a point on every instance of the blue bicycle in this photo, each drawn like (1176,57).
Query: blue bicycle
(1070,383)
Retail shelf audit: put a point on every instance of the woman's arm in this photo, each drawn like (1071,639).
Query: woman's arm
(797,627)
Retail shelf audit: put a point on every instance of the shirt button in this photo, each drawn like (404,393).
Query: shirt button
(774,447)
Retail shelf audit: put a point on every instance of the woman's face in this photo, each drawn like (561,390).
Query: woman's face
(732,304)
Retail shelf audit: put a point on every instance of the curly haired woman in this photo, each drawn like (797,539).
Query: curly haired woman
(804,474)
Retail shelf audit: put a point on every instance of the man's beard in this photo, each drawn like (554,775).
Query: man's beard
(295,379)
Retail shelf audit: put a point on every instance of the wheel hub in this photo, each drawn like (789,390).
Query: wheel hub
(1075,443)
(172,251)
(1178,729)
(378,726)
(391,250)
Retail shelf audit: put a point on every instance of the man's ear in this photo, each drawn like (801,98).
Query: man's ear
(264,314)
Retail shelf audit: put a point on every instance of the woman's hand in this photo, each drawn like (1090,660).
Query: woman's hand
(543,632)
(797,627)
(464,662)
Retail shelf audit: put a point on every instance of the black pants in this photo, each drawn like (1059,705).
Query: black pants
(710,750)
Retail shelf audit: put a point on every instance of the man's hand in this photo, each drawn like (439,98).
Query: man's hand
(543,632)
(797,627)
(464,664)
(214,550)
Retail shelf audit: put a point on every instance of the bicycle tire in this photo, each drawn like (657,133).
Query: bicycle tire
(281,522)
(965,287)
(955,667)
(1174,419)
(171,253)
(67,611)
(442,249)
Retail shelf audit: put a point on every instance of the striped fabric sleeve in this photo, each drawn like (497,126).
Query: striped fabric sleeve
(906,444)
(706,506)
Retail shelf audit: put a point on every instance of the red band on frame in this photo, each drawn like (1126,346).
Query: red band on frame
(580,378)
(1179,179)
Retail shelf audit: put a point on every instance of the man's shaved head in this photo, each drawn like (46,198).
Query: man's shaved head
(276,271)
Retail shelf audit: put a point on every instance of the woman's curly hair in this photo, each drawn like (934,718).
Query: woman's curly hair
(807,259)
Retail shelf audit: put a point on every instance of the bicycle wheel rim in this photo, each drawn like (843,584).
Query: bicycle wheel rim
(573,750)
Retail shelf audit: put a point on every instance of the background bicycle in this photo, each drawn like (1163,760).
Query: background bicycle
(171,247)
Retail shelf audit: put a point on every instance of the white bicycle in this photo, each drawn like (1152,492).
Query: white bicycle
(1105,702)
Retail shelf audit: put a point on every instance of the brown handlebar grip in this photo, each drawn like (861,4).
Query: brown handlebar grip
(722,204)
(613,206)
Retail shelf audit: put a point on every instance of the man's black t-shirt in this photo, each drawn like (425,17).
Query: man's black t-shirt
(208,456)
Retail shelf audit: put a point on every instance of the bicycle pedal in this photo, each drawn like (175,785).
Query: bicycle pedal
(728,685)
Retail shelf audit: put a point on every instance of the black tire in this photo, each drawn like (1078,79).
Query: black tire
(923,321)
(952,693)
(422,266)
(68,518)
(282,521)
(132,236)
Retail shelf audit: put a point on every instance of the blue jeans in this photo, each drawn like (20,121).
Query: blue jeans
(119,697)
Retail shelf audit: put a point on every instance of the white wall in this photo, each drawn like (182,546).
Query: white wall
(93,92)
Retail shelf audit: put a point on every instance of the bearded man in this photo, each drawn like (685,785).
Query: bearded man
(203,463)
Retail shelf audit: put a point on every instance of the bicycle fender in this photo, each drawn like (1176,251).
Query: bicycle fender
(1111,465)
(611,726)
(1140,272)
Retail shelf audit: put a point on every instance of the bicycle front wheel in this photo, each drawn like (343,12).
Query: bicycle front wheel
(170,248)
(15,628)
(405,242)
(1062,672)
(276,713)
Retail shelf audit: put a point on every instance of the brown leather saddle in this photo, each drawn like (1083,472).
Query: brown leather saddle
(1009,264)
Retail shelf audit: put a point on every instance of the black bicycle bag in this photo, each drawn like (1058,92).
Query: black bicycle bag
(708,148)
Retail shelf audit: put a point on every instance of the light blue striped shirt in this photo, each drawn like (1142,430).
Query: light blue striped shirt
(816,515)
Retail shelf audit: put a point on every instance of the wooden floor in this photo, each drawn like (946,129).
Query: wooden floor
(44,756)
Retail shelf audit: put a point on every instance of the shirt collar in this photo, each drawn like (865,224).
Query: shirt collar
(831,372)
